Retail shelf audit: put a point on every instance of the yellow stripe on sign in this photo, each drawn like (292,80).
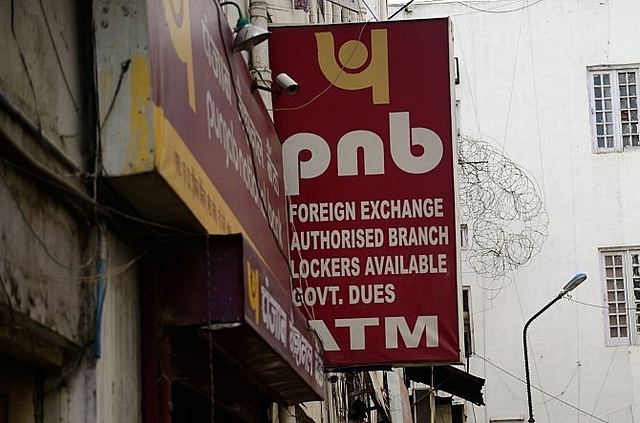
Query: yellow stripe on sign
(180,169)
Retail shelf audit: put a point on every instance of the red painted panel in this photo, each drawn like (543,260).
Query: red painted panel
(233,168)
(369,167)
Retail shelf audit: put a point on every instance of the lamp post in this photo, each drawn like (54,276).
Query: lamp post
(569,286)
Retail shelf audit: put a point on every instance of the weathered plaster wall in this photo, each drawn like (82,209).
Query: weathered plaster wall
(49,226)
(119,378)
(46,262)
(39,72)
(47,256)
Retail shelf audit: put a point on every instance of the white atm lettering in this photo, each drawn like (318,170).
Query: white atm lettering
(426,327)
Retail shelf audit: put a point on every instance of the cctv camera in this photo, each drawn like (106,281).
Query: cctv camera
(287,83)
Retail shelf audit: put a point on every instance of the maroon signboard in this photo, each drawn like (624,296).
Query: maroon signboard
(215,142)
(369,171)
(268,309)
(221,283)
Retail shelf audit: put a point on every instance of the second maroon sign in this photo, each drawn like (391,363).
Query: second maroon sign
(369,170)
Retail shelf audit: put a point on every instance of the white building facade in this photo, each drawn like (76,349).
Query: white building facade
(551,87)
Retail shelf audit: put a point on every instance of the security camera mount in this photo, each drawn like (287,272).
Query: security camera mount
(282,83)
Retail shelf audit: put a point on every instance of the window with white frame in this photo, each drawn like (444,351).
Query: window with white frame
(621,270)
(614,108)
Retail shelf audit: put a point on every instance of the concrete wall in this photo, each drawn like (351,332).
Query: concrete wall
(39,71)
(49,244)
(118,371)
(45,243)
(524,90)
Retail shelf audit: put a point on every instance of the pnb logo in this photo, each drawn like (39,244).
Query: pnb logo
(360,152)
(253,290)
(357,69)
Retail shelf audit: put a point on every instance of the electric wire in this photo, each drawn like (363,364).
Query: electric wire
(29,225)
(331,83)
(477,9)
(59,61)
(51,179)
(50,146)
(463,63)
(393,15)
(603,307)
(513,80)
(604,380)
(78,194)
(536,105)
(486,360)
(55,183)
(472,9)
(578,359)
(564,390)
(23,60)
(473,410)
(530,346)
(262,203)
(525,11)
(118,270)
(124,68)
(9,300)
(403,6)
(30,125)
(285,255)
(101,283)
(500,203)
(484,348)
(94,201)
(369,9)
(493,259)
(310,311)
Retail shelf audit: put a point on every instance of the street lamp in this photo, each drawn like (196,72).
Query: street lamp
(568,287)
(247,34)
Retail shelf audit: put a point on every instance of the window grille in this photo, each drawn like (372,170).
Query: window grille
(614,109)
(621,271)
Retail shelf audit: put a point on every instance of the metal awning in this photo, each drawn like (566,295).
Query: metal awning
(219,288)
(449,379)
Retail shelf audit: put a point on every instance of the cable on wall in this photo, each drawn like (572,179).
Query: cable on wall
(516,9)
(486,360)
(59,61)
(331,83)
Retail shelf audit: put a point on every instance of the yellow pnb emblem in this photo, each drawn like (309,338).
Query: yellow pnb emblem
(353,54)
(176,13)
(253,290)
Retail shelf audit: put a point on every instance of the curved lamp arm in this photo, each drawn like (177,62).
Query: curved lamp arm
(569,286)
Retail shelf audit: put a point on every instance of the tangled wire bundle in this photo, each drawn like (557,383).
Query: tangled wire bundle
(505,215)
